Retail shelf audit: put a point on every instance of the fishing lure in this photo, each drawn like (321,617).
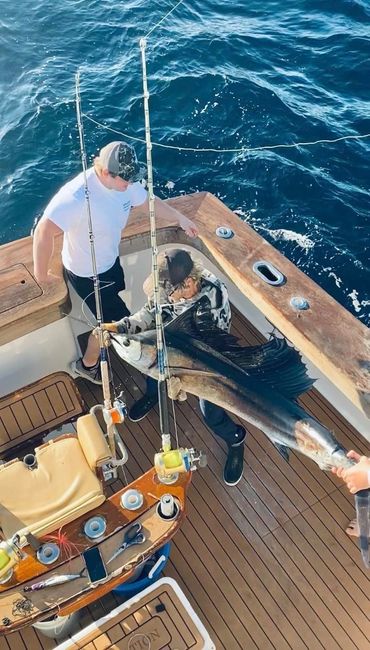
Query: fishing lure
(55,580)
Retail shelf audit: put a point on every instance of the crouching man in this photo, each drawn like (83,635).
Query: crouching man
(183,281)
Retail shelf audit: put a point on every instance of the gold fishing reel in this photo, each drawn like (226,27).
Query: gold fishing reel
(10,555)
(172,462)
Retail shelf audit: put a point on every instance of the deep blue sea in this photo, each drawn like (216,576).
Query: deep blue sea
(226,74)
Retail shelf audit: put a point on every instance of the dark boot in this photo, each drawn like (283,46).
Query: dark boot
(233,470)
(141,408)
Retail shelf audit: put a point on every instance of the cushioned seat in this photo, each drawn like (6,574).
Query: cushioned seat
(63,486)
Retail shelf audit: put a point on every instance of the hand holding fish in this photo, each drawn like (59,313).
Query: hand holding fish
(174,389)
(117,327)
(106,330)
(356,477)
(120,327)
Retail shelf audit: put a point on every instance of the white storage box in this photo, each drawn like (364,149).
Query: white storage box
(159,617)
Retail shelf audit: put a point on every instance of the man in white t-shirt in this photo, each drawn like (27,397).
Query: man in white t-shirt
(114,189)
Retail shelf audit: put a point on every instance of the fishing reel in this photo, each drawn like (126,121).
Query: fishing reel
(10,554)
(113,416)
(172,462)
(116,414)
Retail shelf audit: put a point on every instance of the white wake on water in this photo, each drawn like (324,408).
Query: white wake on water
(281,234)
(358,304)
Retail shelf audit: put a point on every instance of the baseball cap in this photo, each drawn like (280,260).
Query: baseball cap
(120,158)
(174,266)
(179,265)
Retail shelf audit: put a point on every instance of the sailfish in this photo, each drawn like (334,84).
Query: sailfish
(260,384)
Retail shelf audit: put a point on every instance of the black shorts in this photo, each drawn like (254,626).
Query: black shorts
(111,282)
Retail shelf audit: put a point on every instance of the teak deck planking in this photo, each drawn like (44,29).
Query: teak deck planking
(38,408)
(265,564)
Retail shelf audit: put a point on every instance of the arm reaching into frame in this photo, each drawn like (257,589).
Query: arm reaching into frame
(356,477)
(168,213)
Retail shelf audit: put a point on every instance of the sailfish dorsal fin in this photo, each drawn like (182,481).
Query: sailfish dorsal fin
(274,363)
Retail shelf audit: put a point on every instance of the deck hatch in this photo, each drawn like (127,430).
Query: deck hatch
(17,286)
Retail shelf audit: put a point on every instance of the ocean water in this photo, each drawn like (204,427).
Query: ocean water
(222,75)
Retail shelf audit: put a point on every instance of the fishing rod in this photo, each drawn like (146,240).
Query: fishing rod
(170,462)
(99,312)
(161,349)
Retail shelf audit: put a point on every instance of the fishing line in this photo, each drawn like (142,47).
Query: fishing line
(175,423)
(292,145)
(84,302)
(172,401)
(164,17)
(87,200)
(124,474)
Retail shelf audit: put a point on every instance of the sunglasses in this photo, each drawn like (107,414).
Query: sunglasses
(178,287)
(119,176)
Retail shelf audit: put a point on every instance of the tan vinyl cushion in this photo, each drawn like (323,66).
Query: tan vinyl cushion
(61,488)
(92,440)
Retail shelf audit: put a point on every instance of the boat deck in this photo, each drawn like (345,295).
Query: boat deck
(265,564)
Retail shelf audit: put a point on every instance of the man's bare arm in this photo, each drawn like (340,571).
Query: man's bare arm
(43,246)
(168,213)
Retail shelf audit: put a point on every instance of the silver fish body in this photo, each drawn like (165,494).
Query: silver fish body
(210,374)
(53,581)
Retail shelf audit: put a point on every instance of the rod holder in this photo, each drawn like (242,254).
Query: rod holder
(167,507)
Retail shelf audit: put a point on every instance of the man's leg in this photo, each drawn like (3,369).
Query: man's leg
(86,366)
(111,282)
(353,529)
(234,435)
(113,308)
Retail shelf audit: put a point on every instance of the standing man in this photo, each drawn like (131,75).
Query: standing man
(113,191)
(183,282)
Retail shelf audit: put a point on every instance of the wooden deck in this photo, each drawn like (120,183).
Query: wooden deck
(37,409)
(265,564)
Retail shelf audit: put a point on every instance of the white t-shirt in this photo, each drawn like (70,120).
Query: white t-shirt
(109,213)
